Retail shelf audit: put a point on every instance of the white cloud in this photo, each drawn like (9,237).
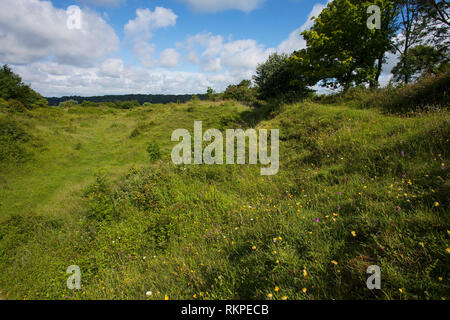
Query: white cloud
(295,40)
(32,30)
(107,3)
(112,77)
(140,30)
(169,58)
(144,51)
(112,68)
(222,5)
(216,54)
(146,21)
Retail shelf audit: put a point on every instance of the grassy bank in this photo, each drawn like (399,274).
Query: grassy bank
(356,187)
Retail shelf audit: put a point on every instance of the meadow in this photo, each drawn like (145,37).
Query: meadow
(95,187)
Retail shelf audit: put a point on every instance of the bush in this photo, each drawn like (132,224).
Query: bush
(12,138)
(275,79)
(428,92)
(135,133)
(243,92)
(154,151)
(68,103)
(12,87)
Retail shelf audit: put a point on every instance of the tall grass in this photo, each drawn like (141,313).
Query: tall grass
(356,187)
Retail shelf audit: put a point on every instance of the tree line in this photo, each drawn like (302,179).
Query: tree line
(343,52)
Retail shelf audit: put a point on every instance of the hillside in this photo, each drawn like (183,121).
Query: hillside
(356,187)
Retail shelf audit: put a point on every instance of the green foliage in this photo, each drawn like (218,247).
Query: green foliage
(243,92)
(13,136)
(136,132)
(68,104)
(154,151)
(100,205)
(276,79)
(226,232)
(418,62)
(210,94)
(12,87)
(342,50)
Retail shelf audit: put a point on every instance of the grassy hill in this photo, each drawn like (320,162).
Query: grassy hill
(356,187)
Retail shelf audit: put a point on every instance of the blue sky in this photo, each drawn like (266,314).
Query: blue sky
(137,46)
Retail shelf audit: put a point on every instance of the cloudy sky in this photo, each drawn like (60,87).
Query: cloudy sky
(146,46)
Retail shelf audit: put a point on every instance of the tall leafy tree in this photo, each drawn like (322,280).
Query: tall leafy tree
(412,30)
(422,60)
(276,79)
(342,49)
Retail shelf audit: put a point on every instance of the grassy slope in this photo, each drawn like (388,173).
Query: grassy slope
(225,232)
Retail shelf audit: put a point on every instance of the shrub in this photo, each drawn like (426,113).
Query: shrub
(12,138)
(243,92)
(68,103)
(100,204)
(135,133)
(276,80)
(154,151)
(12,87)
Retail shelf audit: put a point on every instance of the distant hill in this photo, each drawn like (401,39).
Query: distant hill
(141,98)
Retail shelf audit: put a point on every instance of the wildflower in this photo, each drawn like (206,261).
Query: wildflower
(277,289)
(447,250)
(422,244)
(269,295)
(340,193)
(278,261)
(354,233)
(317,220)
(305,273)
(403,153)
(362,180)
(194,296)
(254,248)
(233,243)
(284,298)
(334,262)
(166,297)
(148,293)
(401,290)
(440,278)
(436,204)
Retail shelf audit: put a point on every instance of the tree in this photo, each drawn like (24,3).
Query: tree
(243,92)
(437,15)
(12,88)
(412,30)
(275,79)
(210,94)
(420,61)
(341,48)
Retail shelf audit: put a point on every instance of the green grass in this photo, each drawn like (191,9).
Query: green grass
(224,232)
